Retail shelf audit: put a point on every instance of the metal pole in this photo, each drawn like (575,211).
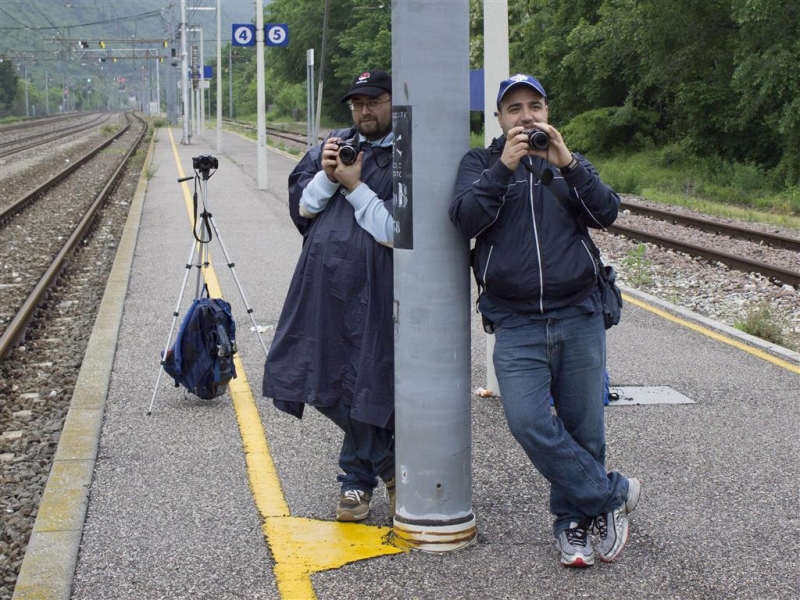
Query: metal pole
(321,71)
(230,83)
(158,87)
(46,93)
(495,69)
(184,76)
(195,97)
(309,98)
(202,120)
(219,76)
(261,118)
(25,71)
(430,50)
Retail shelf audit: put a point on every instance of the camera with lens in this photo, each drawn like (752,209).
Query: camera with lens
(348,150)
(205,162)
(537,139)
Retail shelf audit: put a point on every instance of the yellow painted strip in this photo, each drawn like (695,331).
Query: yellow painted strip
(300,547)
(713,334)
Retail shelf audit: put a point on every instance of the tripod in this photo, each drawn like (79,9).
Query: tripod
(204,229)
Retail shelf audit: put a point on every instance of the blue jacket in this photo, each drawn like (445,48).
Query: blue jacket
(335,336)
(531,253)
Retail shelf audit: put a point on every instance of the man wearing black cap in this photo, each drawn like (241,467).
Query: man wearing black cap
(528,201)
(334,343)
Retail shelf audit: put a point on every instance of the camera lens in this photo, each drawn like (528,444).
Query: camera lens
(348,153)
(537,139)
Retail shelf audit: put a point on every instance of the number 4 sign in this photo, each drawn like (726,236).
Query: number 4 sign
(276,34)
(243,35)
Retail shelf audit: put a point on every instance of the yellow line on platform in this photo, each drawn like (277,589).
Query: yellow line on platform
(713,334)
(300,547)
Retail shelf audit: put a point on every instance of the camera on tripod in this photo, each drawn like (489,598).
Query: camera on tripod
(205,162)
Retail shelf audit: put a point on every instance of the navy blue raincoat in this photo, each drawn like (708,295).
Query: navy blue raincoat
(335,337)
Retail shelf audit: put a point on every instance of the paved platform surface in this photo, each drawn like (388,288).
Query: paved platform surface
(230,498)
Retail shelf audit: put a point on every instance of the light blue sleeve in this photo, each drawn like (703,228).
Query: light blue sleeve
(371,214)
(316,195)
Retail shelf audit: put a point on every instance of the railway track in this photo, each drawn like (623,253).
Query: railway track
(9,147)
(717,252)
(81,223)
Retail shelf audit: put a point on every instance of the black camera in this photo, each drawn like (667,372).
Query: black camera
(537,139)
(205,162)
(348,150)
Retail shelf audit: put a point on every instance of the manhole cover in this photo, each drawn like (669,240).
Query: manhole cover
(654,394)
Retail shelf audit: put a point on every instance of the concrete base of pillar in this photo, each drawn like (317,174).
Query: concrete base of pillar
(435,537)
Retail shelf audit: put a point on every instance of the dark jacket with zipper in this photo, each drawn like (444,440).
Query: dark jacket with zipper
(531,254)
(335,336)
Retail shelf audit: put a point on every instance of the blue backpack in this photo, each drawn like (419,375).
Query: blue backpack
(201,360)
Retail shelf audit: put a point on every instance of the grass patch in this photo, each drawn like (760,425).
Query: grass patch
(761,321)
(638,266)
(150,171)
(711,186)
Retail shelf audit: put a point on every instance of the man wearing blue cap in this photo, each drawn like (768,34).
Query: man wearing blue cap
(528,201)
(334,343)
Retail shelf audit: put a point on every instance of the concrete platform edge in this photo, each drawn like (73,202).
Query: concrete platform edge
(51,556)
(732,332)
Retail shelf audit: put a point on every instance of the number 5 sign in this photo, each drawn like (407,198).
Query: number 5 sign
(276,34)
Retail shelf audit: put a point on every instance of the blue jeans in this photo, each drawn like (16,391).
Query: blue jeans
(565,358)
(367,450)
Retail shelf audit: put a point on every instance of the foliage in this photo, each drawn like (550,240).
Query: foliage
(8,84)
(763,322)
(358,38)
(638,266)
(609,129)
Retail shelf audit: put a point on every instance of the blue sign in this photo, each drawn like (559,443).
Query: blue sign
(476,89)
(243,35)
(208,72)
(276,34)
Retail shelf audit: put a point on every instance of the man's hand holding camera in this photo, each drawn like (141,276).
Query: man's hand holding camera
(337,170)
(527,141)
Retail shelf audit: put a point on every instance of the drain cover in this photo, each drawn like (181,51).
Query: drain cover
(654,394)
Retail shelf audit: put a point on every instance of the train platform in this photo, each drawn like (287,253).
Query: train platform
(232,499)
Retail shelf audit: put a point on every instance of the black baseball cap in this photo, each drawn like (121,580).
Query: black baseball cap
(370,83)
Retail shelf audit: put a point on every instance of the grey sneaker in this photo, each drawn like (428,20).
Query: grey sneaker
(353,506)
(613,526)
(575,546)
(634,490)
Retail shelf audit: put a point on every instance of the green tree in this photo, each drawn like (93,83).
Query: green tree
(766,81)
(358,38)
(8,85)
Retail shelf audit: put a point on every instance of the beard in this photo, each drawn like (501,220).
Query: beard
(372,129)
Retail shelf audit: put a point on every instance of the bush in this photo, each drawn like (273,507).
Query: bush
(610,129)
(762,322)
(291,101)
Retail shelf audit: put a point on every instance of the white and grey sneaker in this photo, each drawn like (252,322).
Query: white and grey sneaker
(613,526)
(575,546)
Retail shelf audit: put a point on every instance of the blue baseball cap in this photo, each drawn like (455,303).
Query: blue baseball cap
(520,79)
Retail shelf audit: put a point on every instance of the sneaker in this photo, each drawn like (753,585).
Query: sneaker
(391,492)
(613,526)
(353,505)
(634,490)
(575,547)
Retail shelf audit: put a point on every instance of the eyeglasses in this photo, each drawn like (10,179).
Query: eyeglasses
(373,104)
